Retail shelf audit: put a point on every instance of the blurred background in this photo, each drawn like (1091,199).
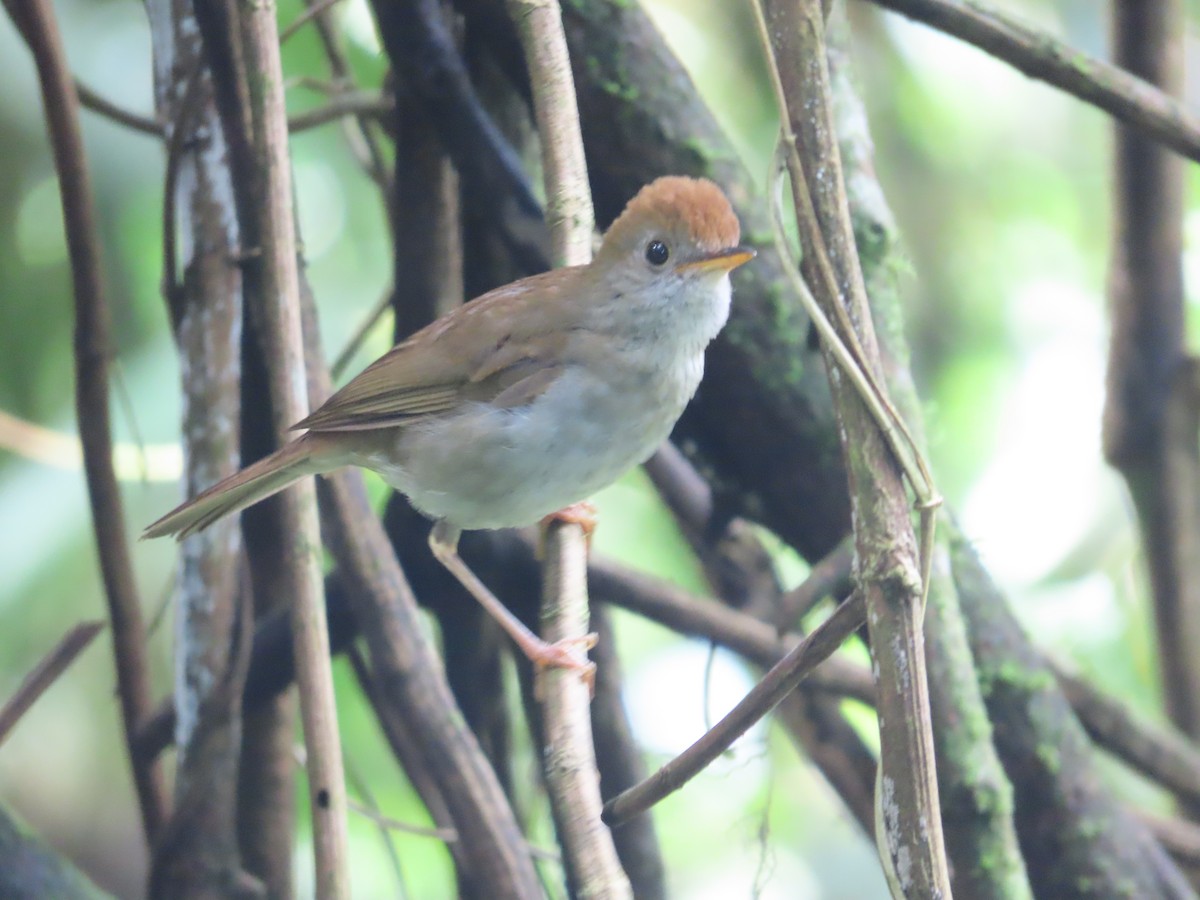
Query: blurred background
(1001,189)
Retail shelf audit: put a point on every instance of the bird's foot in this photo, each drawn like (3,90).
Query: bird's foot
(582,514)
(565,654)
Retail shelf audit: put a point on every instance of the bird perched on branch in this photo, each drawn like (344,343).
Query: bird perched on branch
(530,398)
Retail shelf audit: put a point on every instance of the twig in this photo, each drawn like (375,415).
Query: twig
(405,747)
(763,697)
(830,575)
(44,674)
(359,104)
(364,143)
(687,614)
(368,807)
(241,51)
(39,27)
(569,211)
(447,835)
(742,575)
(314,10)
(568,756)
(98,104)
(1120,94)
(842,344)
(407,682)
(358,338)
(892,572)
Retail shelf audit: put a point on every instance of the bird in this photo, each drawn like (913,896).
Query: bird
(531,397)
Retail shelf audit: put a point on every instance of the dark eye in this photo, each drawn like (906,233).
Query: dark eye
(657,253)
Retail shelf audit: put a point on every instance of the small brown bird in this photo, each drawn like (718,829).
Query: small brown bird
(532,397)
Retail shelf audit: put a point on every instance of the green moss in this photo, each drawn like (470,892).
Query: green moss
(874,241)
(1050,757)
(1012,674)
(622,89)
(777,372)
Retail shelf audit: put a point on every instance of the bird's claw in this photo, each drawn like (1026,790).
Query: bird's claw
(564,654)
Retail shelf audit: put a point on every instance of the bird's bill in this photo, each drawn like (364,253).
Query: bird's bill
(724,260)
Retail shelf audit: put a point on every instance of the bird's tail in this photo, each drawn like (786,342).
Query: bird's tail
(268,476)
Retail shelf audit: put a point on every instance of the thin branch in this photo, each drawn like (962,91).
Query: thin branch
(242,45)
(39,27)
(742,574)
(358,104)
(688,614)
(568,754)
(313,11)
(135,121)
(568,760)
(569,212)
(356,340)
(446,835)
(364,142)
(1125,97)
(829,576)
(765,695)
(45,673)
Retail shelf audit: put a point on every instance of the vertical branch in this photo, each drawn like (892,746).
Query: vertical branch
(199,855)
(976,796)
(888,569)
(38,26)
(1149,384)
(243,53)
(568,197)
(569,760)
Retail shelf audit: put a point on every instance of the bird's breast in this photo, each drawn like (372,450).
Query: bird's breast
(486,467)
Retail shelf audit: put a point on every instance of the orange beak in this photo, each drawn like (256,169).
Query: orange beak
(723,260)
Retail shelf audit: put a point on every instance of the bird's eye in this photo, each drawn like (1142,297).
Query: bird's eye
(657,253)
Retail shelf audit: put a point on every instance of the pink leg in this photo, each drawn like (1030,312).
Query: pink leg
(443,540)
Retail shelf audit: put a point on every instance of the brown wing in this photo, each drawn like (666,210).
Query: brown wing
(483,351)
